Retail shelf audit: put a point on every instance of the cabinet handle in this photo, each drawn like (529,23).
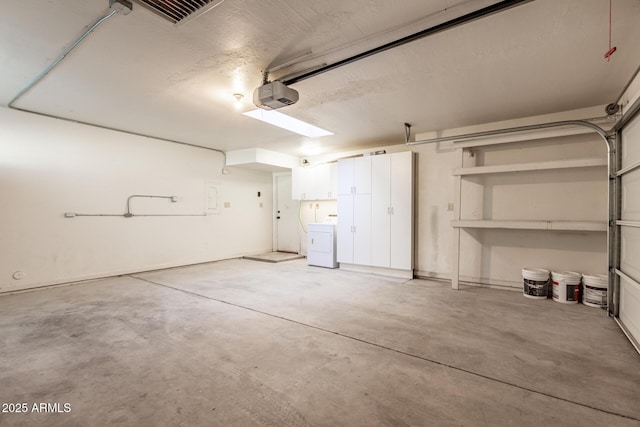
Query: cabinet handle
(312,241)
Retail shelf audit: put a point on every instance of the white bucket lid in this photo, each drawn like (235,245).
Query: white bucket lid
(571,277)
(596,280)
(535,273)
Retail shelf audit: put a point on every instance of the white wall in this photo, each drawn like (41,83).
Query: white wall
(49,167)
(496,257)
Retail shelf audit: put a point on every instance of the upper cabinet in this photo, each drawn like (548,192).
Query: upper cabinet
(354,175)
(315,182)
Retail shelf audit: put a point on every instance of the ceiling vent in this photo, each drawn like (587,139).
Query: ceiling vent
(179,12)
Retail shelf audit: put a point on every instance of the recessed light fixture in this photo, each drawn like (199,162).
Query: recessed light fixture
(238,97)
(287,122)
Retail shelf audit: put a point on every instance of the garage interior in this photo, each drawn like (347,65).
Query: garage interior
(455,146)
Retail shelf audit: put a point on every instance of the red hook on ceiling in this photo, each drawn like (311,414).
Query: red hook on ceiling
(611,50)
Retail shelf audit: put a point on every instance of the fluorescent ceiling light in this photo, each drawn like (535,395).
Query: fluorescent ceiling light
(286,122)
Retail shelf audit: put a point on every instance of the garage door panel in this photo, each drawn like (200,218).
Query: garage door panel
(629,303)
(630,252)
(630,189)
(629,237)
(631,143)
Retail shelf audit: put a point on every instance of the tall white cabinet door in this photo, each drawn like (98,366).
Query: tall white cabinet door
(345,176)
(333,179)
(362,175)
(401,192)
(345,228)
(297,183)
(323,182)
(362,226)
(380,211)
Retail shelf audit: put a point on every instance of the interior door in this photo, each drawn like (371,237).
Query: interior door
(286,216)
(628,273)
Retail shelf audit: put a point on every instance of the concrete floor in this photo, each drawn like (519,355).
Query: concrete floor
(242,343)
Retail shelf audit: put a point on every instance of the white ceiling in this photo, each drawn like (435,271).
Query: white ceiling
(139,73)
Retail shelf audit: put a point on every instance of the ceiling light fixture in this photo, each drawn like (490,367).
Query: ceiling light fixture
(238,97)
(287,122)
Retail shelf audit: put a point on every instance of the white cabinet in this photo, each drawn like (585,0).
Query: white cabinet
(315,182)
(362,229)
(375,211)
(326,181)
(391,211)
(300,178)
(345,228)
(321,245)
(354,175)
(354,229)
(354,210)
(381,212)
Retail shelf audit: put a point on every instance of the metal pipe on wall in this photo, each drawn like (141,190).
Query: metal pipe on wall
(47,70)
(603,134)
(129,214)
(173,141)
(67,51)
(74,214)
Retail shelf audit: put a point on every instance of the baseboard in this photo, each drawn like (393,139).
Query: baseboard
(472,281)
(67,281)
(382,271)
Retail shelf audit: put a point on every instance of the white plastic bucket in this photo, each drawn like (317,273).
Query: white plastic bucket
(535,282)
(566,286)
(595,290)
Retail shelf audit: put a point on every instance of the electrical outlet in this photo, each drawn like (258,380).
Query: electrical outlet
(18,275)
(450,207)
(227,204)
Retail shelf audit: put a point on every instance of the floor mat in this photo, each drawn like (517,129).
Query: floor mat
(274,257)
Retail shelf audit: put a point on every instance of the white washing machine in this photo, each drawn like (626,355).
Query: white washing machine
(321,245)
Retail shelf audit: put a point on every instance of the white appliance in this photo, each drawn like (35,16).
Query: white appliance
(321,245)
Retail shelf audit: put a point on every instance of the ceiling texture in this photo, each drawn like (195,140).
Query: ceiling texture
(143,74)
